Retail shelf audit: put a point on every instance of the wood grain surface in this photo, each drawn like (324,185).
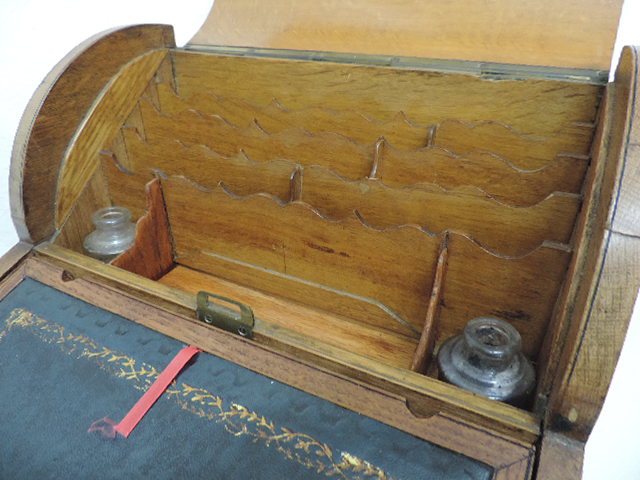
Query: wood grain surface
(152,253)
(55,112)
(611,275)
(573,33)
(100,127)
(104,286)
(533,107)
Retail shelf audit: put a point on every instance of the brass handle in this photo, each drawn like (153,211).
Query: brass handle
(239,321)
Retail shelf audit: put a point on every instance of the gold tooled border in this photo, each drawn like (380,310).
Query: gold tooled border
(237,419)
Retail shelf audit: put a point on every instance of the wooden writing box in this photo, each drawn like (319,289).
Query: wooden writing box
(367,178)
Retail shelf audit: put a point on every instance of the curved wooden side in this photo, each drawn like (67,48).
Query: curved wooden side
(55,112)
(607,268)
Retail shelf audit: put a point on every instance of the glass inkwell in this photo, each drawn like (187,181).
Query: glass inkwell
(114,233)
(487,359)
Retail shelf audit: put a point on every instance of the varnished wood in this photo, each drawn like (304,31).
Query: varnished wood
(13,256)
(275,118)
(152,253)
(326,148)
(527,153)
(540,33)
(625,214)
(521,290)
(560,458)
(424,349)
(79,224)
(292,248)
(611,278)
(537,108)
(112,107)
(431,396)
(55,112)
(203,165)
(500,228)
(329,328)
(599,185)
(485,170)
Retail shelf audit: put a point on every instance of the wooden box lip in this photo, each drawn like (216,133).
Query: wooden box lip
(509,455)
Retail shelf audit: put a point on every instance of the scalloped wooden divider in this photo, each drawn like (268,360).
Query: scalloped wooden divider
(302,256)
(500,228)
(330,149)
(533,107)
(523,152)
(282,243)
(485,170)
(275,118)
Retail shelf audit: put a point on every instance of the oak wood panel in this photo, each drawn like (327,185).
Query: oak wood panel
(485,170)
(625,217)
(574,33)
(521,291)
(239,173)
(55,112)
(524,152)
(537,108)
(125,188)
(15,254)
(276,117)
(560,458)
(79,223)
(326,148)
(98,283)
(424,350)
(393,266)
(100,127)
(611,278)
(502,229)
(152,253)
(315,324)
(599,185)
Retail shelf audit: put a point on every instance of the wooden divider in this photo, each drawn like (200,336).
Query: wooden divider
(485,170)
(524,152)
(241,174)
(500,228)
(394,266)
(533,107)
(330,149)
(521,291)
(275,118)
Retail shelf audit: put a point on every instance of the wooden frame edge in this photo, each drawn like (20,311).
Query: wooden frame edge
(39,144)
(610,289)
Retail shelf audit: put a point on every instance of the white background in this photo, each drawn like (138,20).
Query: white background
(36,34)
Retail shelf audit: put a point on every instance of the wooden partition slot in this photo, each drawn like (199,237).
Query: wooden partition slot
(524,152)
(532,107)
(383,277)
(383,346)
(275,118)
(350,159)
(485,170)
(239,173)
(522,291)
(503,229)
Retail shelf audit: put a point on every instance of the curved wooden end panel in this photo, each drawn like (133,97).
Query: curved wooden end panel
(55,112)
(607,266)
